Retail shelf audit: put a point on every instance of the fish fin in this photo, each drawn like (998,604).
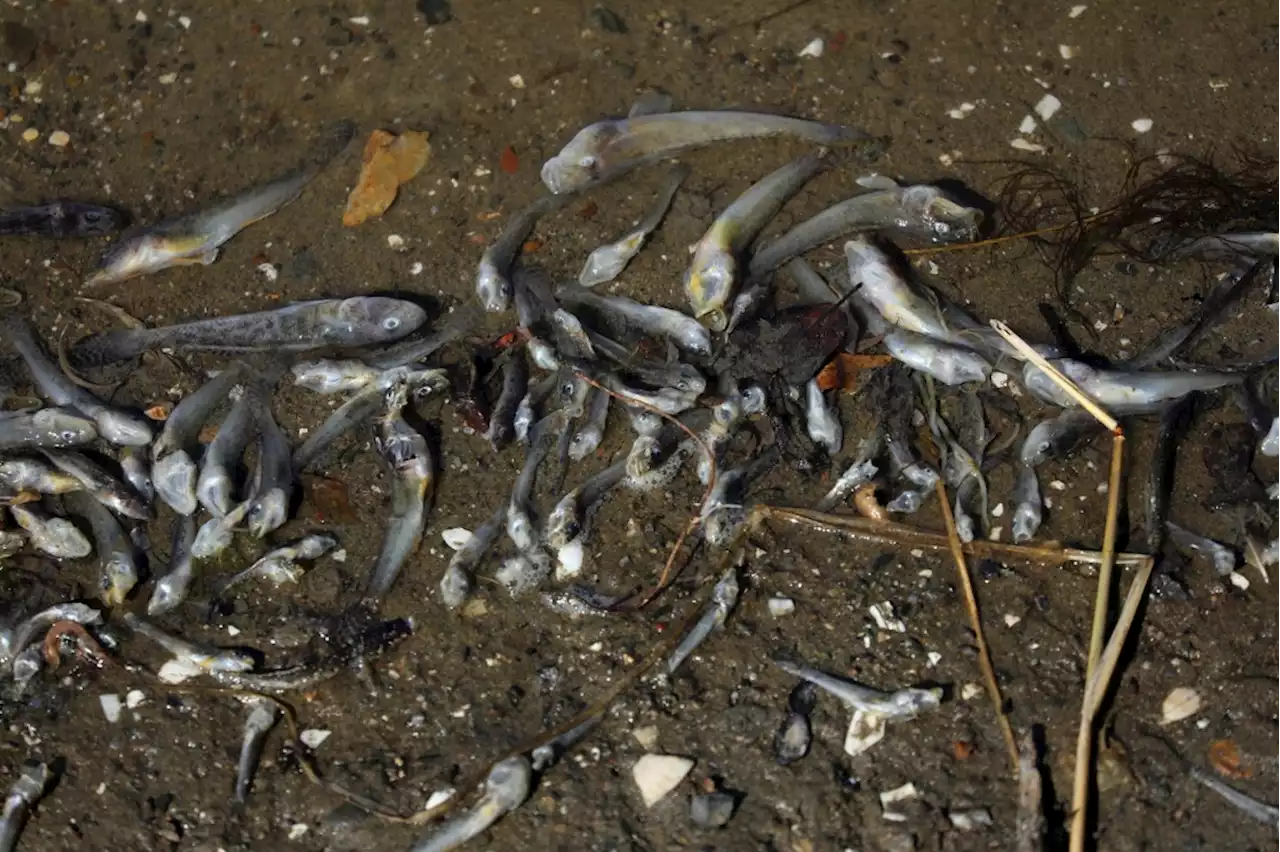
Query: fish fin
(651,103)
(877,181)
(206,258)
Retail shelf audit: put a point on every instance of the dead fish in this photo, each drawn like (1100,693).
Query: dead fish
(301,327)
(1159,485)
(13,640)
(723,599)
(137,473)
(118,427)
(104,486)
(459,576)
(566,523)
(1232,245)
(328,377)
(902,704)
(262,717)
(862,470)
(714,270)
(588,435)
(505,789)
(949,364)
(413,473)
(515,382)
(1254,809)
(821,422)
(215,485)
(607,149)
(794,736)
(62,219)
(214,535)
(546,755)
(1057,436)
(1222,557)
(904,465)
(280,565)
(671,373)
(666,400)
(195,238)
(273,484)
(118,565)
(197,659)
(171,589)
(493,281)
(24,474)
(519,525)
(174,473)
(607,262)
(921,211)
(681,329)
(52,536)
(34,781)
(1027,513)
(356,410)
(1131,392)
(45,428)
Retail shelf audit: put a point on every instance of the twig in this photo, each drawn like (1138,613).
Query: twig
(1096,687)
(975,621)
(1005,238)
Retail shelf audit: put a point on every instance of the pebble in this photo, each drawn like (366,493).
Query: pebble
(1067,51)
(1028,125)
(1239,580)
(711,810)
(516,81)
(658,774)
(439,797)
(1077,11)
(1023,145)
(904,793)
(885,619)
(646,736)
(865,730)
(475,608)
(998,511)
(779,607)
(168,79)
(313,737)
(1142,125)
(134,698)
(395,242)
(59,139)
(456,538)
(1011,620)
(110,706)
(269,271)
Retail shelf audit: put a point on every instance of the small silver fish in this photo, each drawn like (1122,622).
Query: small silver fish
(13,640)
(822,423)
(505,789)
(714,269)
(34,781)
(590,433)
(459,577)
(214,485)
(607,149)
(119,568)
(666,400)
(515,382)
(171,589)
(214,535)
(681,329)
(329,377)
(1056,436)
(493,282)
(901,705)
(723,598)
(1222,557)
(185,652)
(104,487)
(862,470)
(262,718)
(949,364)
(174,472)
(280,566)
(1131,392)
(52,536)
(607,262)
(269,507)
(24,474)
(137,473)
(196,237)
(1027,513)
(566,521)
(45,428)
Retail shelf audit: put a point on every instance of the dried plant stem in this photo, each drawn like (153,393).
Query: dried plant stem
(1068,386)
(1102,602)
(975,621)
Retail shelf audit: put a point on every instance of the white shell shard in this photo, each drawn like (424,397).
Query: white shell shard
(904,793)
(176,671)
(865,730)
(658,774)
(110,706)
(313,737)
(779,607)
(569,560)
(813,49)
(456,538)
(1179,704)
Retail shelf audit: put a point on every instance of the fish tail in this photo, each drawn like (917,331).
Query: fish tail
(108,347)
(330,144)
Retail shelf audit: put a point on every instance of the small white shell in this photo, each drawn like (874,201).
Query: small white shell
(456,538)
(1179,704)
(865,730)
(658,774)
(177,671)
(569,561)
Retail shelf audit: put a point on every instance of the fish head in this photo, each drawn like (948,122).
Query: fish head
(168,593)
(174,478)
(380,319)
(267,513)
(143,254)
(213,490)
(66,429)
(493,288)
(709,282)
(579,163)
(941,219)
(123,430)
(564,524)
(119,576)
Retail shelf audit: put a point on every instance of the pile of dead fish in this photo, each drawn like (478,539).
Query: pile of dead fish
(577,355)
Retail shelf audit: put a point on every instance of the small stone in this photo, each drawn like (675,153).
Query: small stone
(1047,107)
(1238,580)
(999,379)
(168,79)
(1179,704)
(30,134)
(1142,125)
(439,797)
(865,730)
(1021,144)
(1058,485)
(1077,11)
(313,737)
(1067,51)
(59,139)
(711,810)
(456,538)
(970,691)
(883,615)
(184,22)
(779,607)
(998,510)
(134,698)
(395,242)
(813,49)
(647,736)
(516,81)
(475,608)
(905,793)
(1011,620)
(269,272)
(658,774)
(297,830)
(110,706)
(934,658)
(1028,125)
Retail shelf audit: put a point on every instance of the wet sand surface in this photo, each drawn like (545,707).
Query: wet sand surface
(167,107)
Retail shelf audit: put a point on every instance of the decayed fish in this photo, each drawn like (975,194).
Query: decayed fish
(1027,512)
(1229,246)
(493,281)
(24,474)
(949,364)
(171,589)
(1159,485)
(903,704)
(590,433)
(607,262)
(862,470)
(1131,392)
(1057,436)
(174,472)
(821,421)
(408,352)
(1222,557)
(273,485)
(45,427)
(515,382)
(412,468)
(459,577)
(215,484)
(723,598)
(1256,810)
(356,410)
(329,377)
(33,782)
(62,219)
(53,536)
(196,237)
(566,523)
(12,641)
(261,719)
(118,427)
(280,566)
(505,789)
(214,535)
(714,269)
(305,326)
(137,473)
(791,742)
(118,568)
(666,400)
(921,211)
(607,149)
(196,658)
(682,330)
(104,487)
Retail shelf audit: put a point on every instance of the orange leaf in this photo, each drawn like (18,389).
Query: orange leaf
(1224,756)
(842,371)
(509,162)
(159,411)
(388,161)
(530,246)
(962,750)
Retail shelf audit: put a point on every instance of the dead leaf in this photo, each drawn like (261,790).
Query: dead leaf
(388,161)
(1225,758)
(962,750)
(159,412)
(329,499)
(843,371)
(509,162)
(530,246)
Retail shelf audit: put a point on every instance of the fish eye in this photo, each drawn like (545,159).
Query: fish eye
(391,323)
(68,435)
